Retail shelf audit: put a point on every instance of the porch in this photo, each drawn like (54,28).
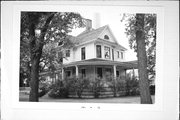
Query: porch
(97,68)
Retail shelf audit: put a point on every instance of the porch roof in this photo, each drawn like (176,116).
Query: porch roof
(96,61)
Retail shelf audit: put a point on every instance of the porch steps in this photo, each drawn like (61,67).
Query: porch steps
(102,94)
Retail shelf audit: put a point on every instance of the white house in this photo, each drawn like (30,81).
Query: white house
(96,53)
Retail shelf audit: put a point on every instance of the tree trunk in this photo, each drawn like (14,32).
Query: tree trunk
(142,61)
(34,83)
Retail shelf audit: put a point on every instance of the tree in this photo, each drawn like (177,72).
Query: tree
(142,60)
(141,32)
(39,29)
(150,38)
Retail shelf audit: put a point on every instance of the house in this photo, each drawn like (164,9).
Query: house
(96,53)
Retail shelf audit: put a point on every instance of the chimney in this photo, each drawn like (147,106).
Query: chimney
(88,24)
(97,20)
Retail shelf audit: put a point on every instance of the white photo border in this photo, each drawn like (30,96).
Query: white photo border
(80,8)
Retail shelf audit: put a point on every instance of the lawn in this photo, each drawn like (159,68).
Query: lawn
(126,99)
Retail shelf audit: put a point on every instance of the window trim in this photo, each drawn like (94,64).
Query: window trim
(118,54)
(105,52)
(122,55)
(106,37)
(83,55)
(97,51)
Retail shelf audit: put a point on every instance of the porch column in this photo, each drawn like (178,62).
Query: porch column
(77,71)
(114,68)
(62,73)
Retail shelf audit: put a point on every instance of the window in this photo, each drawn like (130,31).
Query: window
(107,52)
(117,54)
(83,53)
(83,72)
(98,51)
(99,72)
(67,53)
(106,37)
(112,54)
(122,56)
(117,73)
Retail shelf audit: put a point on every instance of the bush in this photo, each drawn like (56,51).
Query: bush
(97,86)
(132,86)
(59,90)
(44,87)
(120,84)
(81,84)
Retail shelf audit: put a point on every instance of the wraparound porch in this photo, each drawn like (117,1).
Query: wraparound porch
(97,68)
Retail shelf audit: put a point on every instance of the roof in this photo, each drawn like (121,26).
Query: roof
(96,61)
(87,35)
(91,35)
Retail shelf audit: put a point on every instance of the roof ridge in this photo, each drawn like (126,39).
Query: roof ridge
(90,31)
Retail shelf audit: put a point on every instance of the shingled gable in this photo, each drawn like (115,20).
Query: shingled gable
(92,35)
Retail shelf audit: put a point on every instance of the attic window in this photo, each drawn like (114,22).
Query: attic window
(106,37)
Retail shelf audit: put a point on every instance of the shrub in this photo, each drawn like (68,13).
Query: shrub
(97,86)
(59,90)
(44,87)
(80,84)
(120,84)
(132,86)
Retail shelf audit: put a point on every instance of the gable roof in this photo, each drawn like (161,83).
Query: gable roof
(91,35)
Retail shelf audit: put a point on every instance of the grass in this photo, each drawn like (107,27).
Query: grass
(125,99)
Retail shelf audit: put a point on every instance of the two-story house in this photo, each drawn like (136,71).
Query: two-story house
(96,53)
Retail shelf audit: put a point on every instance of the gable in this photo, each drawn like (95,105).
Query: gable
(103,33)
(107,35)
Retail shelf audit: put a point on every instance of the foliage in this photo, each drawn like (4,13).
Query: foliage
(97,86)
(39,29)
(44,88)
(120,83)
(62,89)
(132,86)
(59,90)
(149,34)
(81,84)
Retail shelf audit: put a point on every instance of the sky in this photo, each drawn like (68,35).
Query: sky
(100,19)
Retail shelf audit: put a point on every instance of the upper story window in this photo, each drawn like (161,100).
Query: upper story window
(83,53)
(106,37)
(122,55)
(118,54)
(107,52)
(67,53)
(98,51)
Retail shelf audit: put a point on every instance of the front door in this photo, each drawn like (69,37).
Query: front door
(99,72)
